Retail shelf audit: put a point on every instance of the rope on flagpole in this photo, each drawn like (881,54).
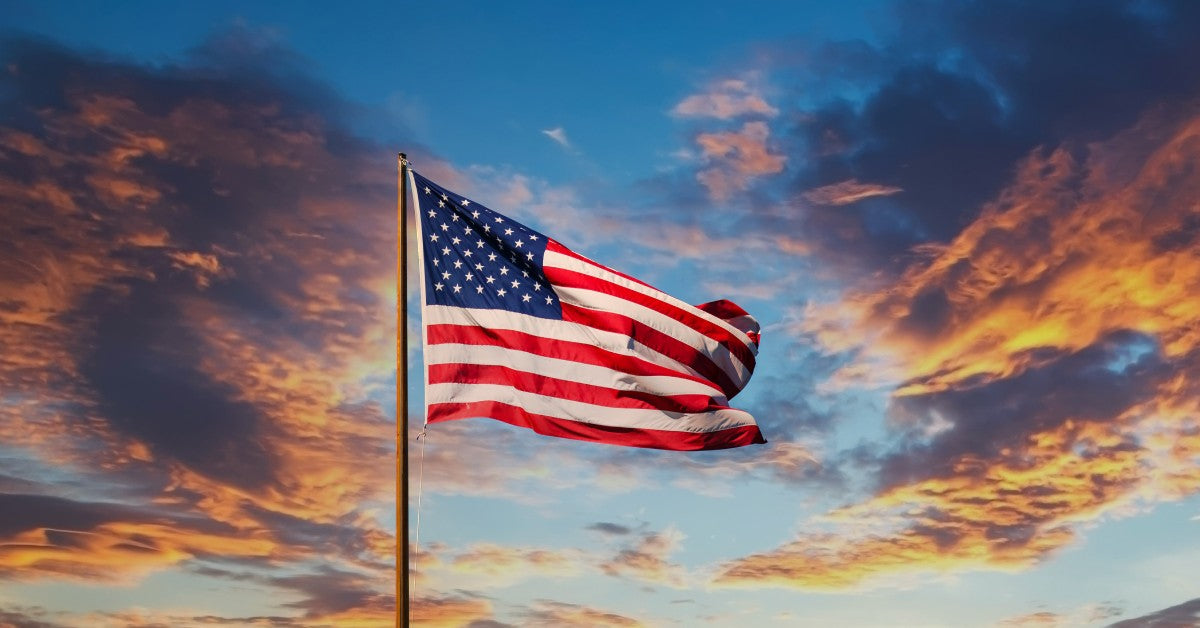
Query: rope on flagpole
(423,437)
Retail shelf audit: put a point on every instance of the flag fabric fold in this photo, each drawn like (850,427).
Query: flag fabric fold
(518,328)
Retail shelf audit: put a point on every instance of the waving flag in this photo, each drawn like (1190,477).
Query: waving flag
(520,329)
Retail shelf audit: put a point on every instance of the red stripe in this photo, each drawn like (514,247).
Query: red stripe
(566,389)
(723,309)
(552,348)
(573,279)
(624,436)
(553,246)
(654,339)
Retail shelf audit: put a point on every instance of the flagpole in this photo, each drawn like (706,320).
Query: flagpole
(402,607)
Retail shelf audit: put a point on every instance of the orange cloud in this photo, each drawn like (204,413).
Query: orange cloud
(448,612)
(170,341)
(737,157)
(1077,283)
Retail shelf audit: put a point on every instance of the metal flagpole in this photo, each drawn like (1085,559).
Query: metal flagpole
(402,600)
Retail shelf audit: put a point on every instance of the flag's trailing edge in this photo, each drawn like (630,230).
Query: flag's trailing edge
(517,328)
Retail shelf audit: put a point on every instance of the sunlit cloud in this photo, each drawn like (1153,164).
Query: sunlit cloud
(724,100)
(214,368)
(736,158)
(1043,364)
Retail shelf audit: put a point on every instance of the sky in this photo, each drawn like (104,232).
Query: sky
(969,230)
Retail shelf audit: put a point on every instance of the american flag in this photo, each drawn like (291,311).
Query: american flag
(520,329)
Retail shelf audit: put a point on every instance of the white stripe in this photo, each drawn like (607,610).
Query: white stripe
(569,370)
(552,329)
(578,411)
(415,200)
(714,350)
(567,262)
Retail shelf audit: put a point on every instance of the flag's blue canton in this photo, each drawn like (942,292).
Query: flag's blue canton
(477,258)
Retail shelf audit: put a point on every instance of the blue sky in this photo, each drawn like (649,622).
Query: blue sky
(967,229)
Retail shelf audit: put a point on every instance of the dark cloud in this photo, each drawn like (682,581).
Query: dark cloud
(611,529)
(143,369)
(29,512)
(993,421)
(332,591)
(947,127)
(195,275)
(1178,616)
(26,617)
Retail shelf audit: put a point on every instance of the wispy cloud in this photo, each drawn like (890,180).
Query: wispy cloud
(559,135)
(848,191)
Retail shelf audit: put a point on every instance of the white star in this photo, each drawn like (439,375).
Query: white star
(529,256)
(525,298)
(427,190)
(446,275)
(515,283)
(441,203)
(433,237)
(479,289)
(455,240)
(436,261)
(479,267)
(466,231)
(503,270)
(525,274)
(491,257)
(487,228)
(458,263)
(457,288)
(501,292)
(432,213)
(445,250)
(508,232)
(467,252)
(549,300)
(491,279)
(533,237)
(475,214)
(520,243)
(465,202)
(445,227)
(445,198)
(438,285)
(454,218)
(479,244)
(499,219)
(537,286)
(470,276)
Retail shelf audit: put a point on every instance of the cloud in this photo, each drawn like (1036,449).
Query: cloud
(724,100)
(647,559)
(1185,614)
(610,529)
(848,191)
(548,614)
(1044,365)
(205,378)
(735,158)
(449,611)
(559,135)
